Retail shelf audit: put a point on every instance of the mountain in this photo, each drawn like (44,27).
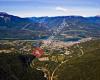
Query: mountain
(19,28)
(15,27)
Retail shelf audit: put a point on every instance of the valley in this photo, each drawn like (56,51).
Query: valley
(49,48)
(51,63)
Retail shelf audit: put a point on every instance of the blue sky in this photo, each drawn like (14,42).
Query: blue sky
(29,8)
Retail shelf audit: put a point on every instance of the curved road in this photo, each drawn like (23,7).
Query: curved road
(46,72)
(52,75)
(57,68)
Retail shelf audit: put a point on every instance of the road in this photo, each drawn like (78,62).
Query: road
(46,72)
(82,52)
(52,75)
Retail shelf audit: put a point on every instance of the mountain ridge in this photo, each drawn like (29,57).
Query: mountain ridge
(42,27)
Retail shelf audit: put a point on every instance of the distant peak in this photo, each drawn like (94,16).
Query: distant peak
(4,13)
(97,15)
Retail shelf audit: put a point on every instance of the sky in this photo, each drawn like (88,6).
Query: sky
(38,8)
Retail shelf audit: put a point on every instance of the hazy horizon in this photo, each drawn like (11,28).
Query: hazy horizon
(49,16)
(50,8)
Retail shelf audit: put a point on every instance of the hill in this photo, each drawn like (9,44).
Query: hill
(85,67)
(13,68)
(82,62)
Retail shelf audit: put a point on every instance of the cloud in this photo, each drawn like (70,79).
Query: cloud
(67,10)
(61,9)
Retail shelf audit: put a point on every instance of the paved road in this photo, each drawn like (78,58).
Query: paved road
(52,75)
(46,72)
(82,53)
